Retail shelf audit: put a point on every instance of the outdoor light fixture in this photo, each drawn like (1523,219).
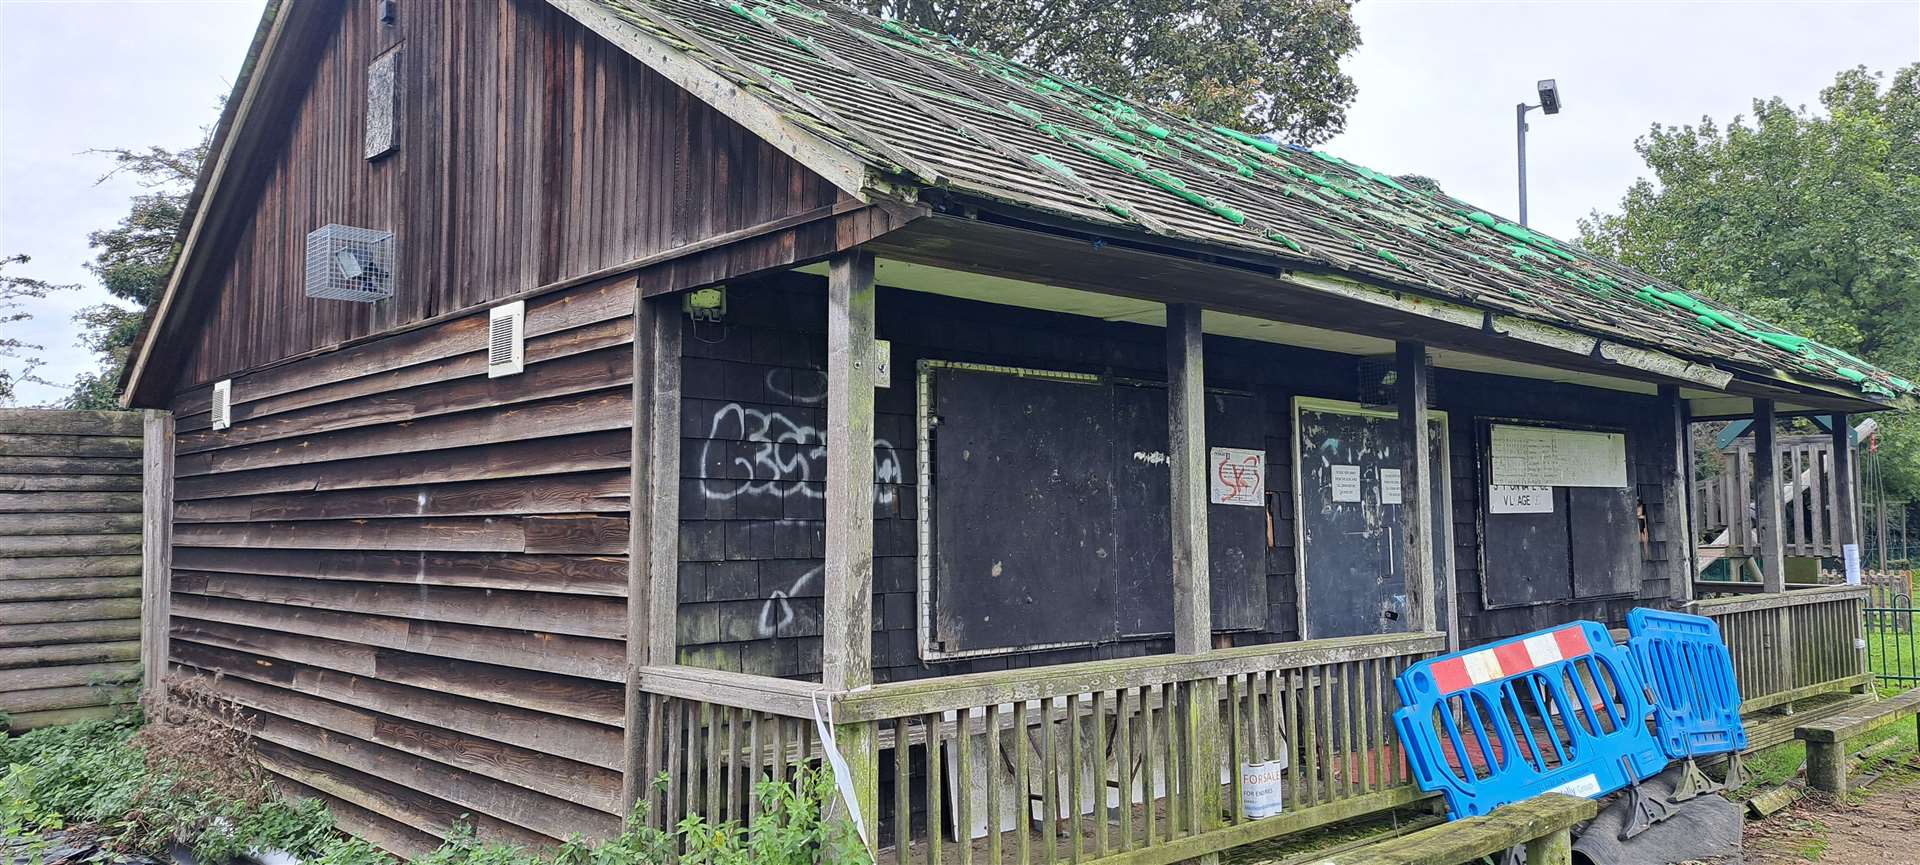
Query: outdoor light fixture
(1550,103)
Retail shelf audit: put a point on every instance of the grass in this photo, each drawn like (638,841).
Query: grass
(190,776)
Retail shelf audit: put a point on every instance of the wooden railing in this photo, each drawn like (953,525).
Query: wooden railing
(1132,760)
(1805,468)
(1791,646)
(1543,825)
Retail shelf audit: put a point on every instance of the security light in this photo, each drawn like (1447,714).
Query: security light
(1549,96)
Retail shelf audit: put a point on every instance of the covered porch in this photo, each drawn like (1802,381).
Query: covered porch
(1129,747)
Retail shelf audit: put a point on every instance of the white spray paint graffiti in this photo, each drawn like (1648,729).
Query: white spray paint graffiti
(784,462)
(777,612)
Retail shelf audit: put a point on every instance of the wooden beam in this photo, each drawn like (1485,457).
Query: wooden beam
(1846,502)
(847,636)
(1677,494)
(1769,518)
(653,559)
(1416,479)
(156,545)
(1187,460)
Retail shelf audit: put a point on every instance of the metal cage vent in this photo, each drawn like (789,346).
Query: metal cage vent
(1379,381)
(506,339)
(348,263)
(221,406)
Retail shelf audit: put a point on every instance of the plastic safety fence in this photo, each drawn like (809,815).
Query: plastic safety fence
(1696,709)
(1562,710)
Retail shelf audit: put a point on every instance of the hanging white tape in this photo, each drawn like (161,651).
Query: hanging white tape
(842,776)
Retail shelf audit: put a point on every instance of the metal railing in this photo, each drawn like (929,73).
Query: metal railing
(1893,641)
(1135,760)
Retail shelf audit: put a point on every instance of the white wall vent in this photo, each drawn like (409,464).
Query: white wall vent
(347,263)
(222,404)
(506,339)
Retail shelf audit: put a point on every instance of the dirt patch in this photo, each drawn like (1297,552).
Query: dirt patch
(1879,825)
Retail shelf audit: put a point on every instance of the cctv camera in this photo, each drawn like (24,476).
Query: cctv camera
(1549,96)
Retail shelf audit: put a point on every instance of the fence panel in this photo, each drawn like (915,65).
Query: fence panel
(1790,646)
(70,564)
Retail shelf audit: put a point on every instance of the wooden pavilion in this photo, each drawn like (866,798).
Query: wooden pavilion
(571,393)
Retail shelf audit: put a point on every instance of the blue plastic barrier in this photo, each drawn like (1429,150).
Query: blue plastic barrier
(1562,710)
(1696,709)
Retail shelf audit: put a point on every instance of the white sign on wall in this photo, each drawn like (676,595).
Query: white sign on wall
(1390,486)
(1530,456)
(1519,500)
(1346,483)
(1239,476)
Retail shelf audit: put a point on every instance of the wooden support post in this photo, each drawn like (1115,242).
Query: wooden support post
(1554,848)
(1845,494)
(1416,479)
(1769,517)
(156,547)
(847,639)
(653,546)
(1677,495)
(1192,579)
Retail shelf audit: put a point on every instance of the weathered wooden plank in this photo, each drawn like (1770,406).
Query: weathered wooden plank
(45,633)
(1769,537)
(1187,463)
(1846,528)
(384,832)
(566,376)
(20,722)
(62,567)
(478,534)
(1416,483)
(577,575)
(528,611)
(39,421)
(69,653)
(554,494)
(30,546)
(24,483)
(1546,816)
(253,403)
(82,610)
(559,778)
(518,458)
(653,573)
(14,703)
(553,653)
(68,466)
(590,412)
(156,550)
(846,655)
(65,589)
(68,675)
(312,668)
(76,523)
(41,503)
(43,445)
(579,535)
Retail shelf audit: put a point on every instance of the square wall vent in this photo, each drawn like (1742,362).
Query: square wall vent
(348,263)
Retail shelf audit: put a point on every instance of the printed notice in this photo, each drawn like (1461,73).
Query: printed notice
(1519,500)
(1390,486)
(1542,457)
(1850,558)
(1239,476)
(1346,483)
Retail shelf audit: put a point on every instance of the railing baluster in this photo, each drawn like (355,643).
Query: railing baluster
(1050,781)
(902,792)
(1236,745)
(1023,791)
(1149,793)
(1123,762)
(1177,780)
(931,723)
(1097,752)
(710,718)
(1324,701)
(994,813)
(963,773)
(676,766)
(1075,801)
(734,807)
(756,742)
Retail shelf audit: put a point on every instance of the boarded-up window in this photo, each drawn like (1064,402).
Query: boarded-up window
(1047,520)
(1571,530)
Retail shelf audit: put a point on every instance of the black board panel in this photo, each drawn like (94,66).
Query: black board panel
(1354,573)
(1588,547)
(1051,512)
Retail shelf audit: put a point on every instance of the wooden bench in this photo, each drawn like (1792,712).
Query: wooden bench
(1543,824)
(1827,738)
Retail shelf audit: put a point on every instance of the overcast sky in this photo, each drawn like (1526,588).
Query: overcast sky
(1438,80)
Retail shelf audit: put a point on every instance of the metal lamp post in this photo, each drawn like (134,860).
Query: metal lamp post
(1550,103)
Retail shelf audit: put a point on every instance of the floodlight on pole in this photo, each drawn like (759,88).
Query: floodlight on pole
(1549,93)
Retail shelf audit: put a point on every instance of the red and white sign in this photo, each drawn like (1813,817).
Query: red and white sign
(1509,659)
(1239,476)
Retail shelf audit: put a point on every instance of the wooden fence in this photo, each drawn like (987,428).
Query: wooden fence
(1788,647)
(1805,469)
(70,564)
(1124,761)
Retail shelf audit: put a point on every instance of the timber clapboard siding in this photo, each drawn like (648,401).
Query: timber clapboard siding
(414,576)
(70,542)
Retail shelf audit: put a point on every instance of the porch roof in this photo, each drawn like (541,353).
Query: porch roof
(889,111)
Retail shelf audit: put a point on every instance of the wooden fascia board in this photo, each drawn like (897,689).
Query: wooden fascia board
(202,203)
(843,169)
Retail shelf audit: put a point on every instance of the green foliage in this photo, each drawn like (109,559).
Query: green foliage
(1254,65)
(1808,219)
(138,790)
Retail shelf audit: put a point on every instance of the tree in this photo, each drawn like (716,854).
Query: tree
(1260,66)
(1810,219)
(19,359)
(133,261)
